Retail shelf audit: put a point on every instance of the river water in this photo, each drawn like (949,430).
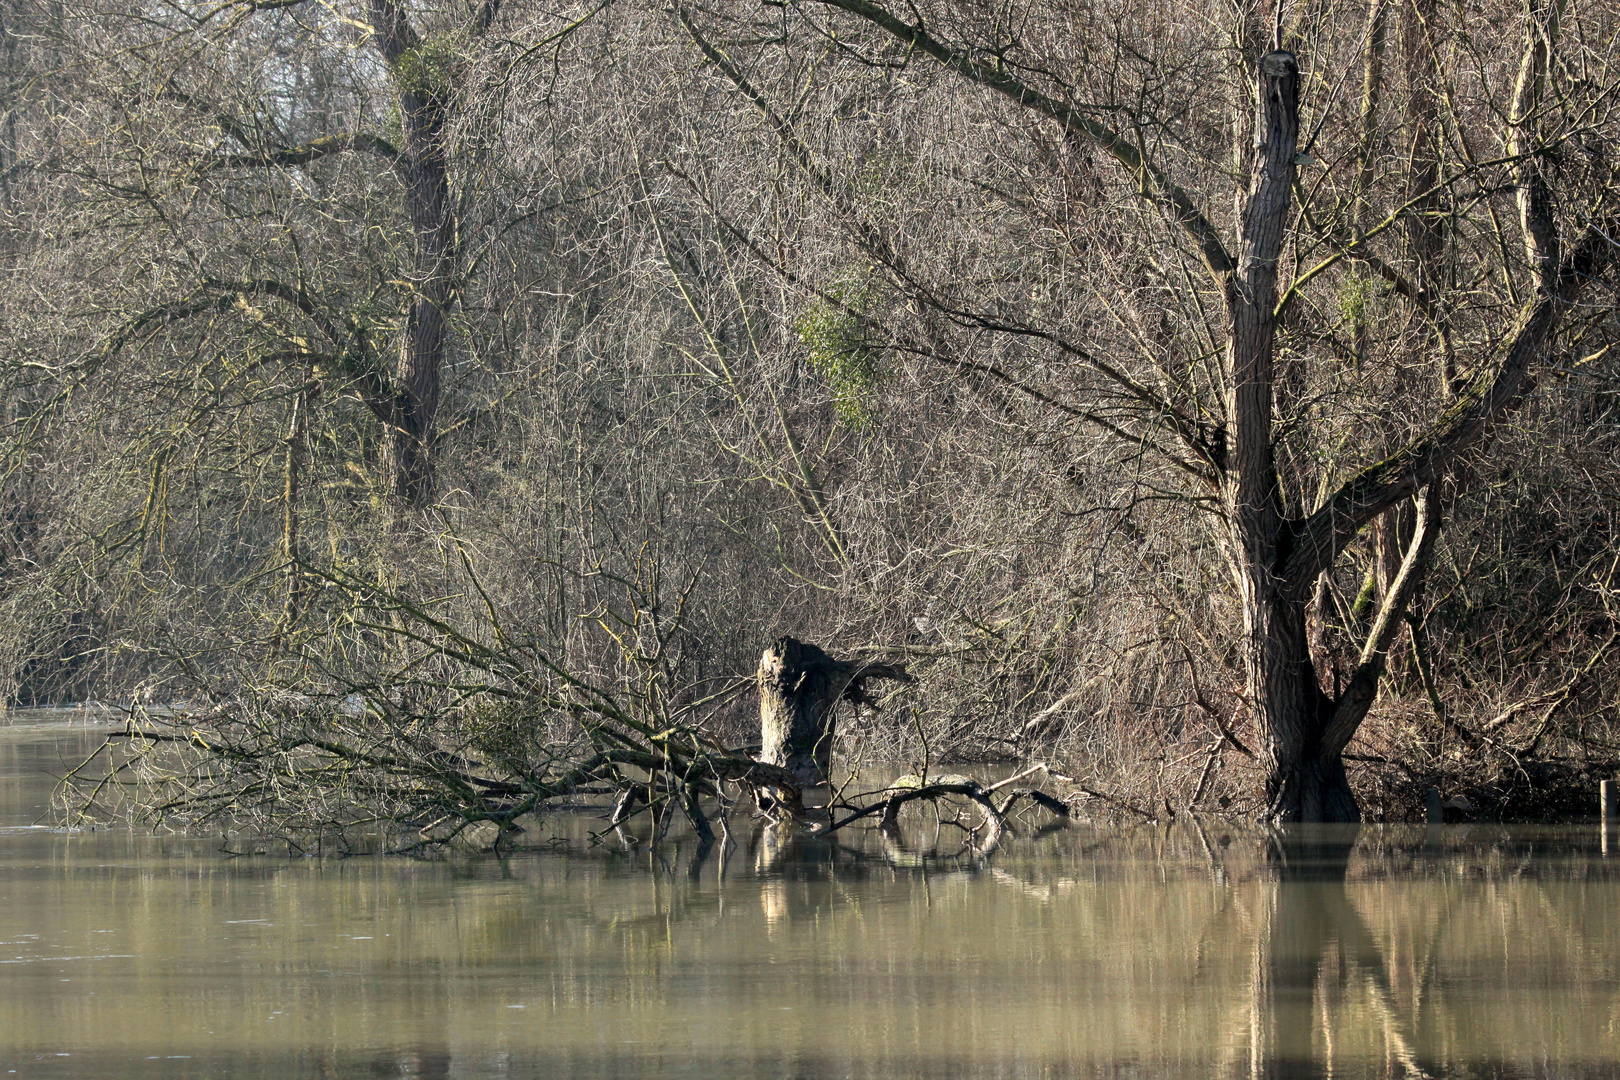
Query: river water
(1190,950)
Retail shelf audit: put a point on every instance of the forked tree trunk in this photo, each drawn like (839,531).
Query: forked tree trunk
(799,690)
(1304,779)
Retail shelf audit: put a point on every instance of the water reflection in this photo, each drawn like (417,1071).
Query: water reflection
(1203,949)
(1312,943)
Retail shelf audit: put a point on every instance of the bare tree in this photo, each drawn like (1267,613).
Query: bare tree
(330,287)
(1244,438)
(932,332)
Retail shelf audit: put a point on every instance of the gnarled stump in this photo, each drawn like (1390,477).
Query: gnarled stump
(799,690)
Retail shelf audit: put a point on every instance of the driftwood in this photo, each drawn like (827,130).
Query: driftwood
(206,767)
(907,789)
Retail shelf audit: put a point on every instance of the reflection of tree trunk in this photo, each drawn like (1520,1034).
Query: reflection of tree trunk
(773,843)
(1307,903)
(782,846)
(1311,931)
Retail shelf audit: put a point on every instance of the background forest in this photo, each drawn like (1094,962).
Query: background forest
(455,364)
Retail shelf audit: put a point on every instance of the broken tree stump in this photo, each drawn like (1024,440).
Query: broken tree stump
(800,687)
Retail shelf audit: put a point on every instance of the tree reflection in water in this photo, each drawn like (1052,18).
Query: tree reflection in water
(1312,945)
(1317,968)
(1117,951)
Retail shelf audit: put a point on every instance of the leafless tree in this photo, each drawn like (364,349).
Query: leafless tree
(1285,492)
(933,332)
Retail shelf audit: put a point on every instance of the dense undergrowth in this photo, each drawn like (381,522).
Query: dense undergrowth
(765,324)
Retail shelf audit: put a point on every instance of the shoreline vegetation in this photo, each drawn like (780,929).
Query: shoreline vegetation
(450,401)
(319,775)
(311,773)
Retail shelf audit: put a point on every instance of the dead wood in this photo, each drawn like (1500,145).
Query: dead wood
(800,687)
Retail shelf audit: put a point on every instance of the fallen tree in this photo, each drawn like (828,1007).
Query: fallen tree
(800,687)
(470,736)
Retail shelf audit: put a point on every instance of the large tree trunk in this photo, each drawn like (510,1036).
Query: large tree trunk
(421,87)
(1302,783)
(1305,778)
(799,690)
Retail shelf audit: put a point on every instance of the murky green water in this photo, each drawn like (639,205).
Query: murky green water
(1151,952)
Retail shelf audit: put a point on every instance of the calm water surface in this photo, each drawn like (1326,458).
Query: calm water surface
(1153,952)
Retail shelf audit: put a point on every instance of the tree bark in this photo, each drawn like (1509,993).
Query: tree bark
(1280,675)
(423,91)
(800,687)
